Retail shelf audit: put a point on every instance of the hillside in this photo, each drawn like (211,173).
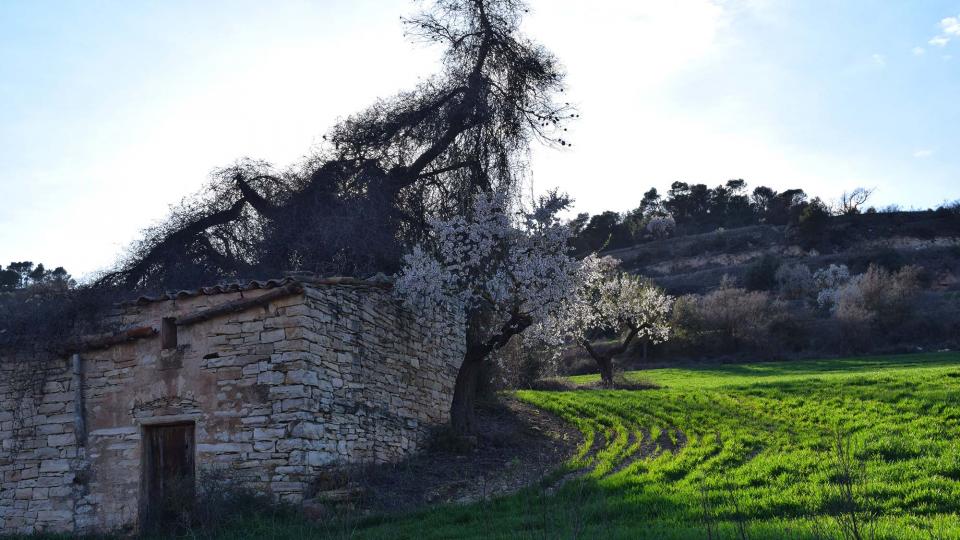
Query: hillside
(696,263)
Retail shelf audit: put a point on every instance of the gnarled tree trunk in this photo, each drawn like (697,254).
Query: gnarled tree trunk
(463,418)
(463,408)
(604,359)
(605,363)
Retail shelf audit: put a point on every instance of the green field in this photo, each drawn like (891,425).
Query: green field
(736,451)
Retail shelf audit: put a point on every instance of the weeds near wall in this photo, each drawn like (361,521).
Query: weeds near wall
(223,500)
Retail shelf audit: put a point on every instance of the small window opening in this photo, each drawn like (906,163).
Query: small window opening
(168,333)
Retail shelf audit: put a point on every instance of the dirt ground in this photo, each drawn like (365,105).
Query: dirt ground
(516,446)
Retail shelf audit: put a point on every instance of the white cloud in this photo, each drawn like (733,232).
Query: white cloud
(918,51)
(923,153)
(879,60)
(950,27)
(939,41)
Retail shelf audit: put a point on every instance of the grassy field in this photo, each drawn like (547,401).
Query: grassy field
(771,450)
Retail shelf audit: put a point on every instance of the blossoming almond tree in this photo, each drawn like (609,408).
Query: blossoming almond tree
(661,226)
(611,302)
(508,269)
(828,282)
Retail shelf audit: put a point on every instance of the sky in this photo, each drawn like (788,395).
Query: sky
(111,111)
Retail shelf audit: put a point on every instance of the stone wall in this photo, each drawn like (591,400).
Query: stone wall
(39,456)
(330,375)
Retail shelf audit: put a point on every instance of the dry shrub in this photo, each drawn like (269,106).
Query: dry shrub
(222,499)
(729,319)
(795,281)
(876,307)
(44,318)
(762,275)
(522,362)
(879,297)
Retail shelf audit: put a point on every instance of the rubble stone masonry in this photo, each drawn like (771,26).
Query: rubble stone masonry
(329,375)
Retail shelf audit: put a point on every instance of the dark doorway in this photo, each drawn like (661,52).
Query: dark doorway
(168,475)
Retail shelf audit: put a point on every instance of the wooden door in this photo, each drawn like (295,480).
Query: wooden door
(168,474)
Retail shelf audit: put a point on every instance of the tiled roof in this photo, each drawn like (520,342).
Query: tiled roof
(240,286)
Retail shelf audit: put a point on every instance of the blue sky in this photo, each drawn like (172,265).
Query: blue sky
(112,111)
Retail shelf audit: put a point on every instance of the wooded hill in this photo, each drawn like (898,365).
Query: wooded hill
(853,284)
(697,263)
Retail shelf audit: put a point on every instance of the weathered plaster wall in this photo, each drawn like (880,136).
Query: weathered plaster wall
(334,374)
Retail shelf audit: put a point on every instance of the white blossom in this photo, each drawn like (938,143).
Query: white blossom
(828,282)
(609,301)
(795,280)
(503,263)
(661,226)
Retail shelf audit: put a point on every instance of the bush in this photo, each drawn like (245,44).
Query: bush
(937,325)
(827,282)
(762,275)
(223,500)
(888,258)
(661,226)
(878,297)
(950,208)
(794,281)
(728,320)
(812,223)
(831,277)
(522,362)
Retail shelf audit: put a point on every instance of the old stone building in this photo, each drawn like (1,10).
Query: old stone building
(269,381)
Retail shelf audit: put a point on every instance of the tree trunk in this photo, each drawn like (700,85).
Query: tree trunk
(604,358)
(606,370)
(463,419)
(462,416)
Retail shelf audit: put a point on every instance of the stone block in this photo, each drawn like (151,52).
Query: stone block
(54,516)
(252,326)
(224,448)
(319,459)
(65,439)
(288,391)
(263,434)
(50,429)
(286,445)
(271,377)
(264,446)
(54,465)
(272,336)
(302,376)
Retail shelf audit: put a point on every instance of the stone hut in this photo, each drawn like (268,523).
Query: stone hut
(267,382)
